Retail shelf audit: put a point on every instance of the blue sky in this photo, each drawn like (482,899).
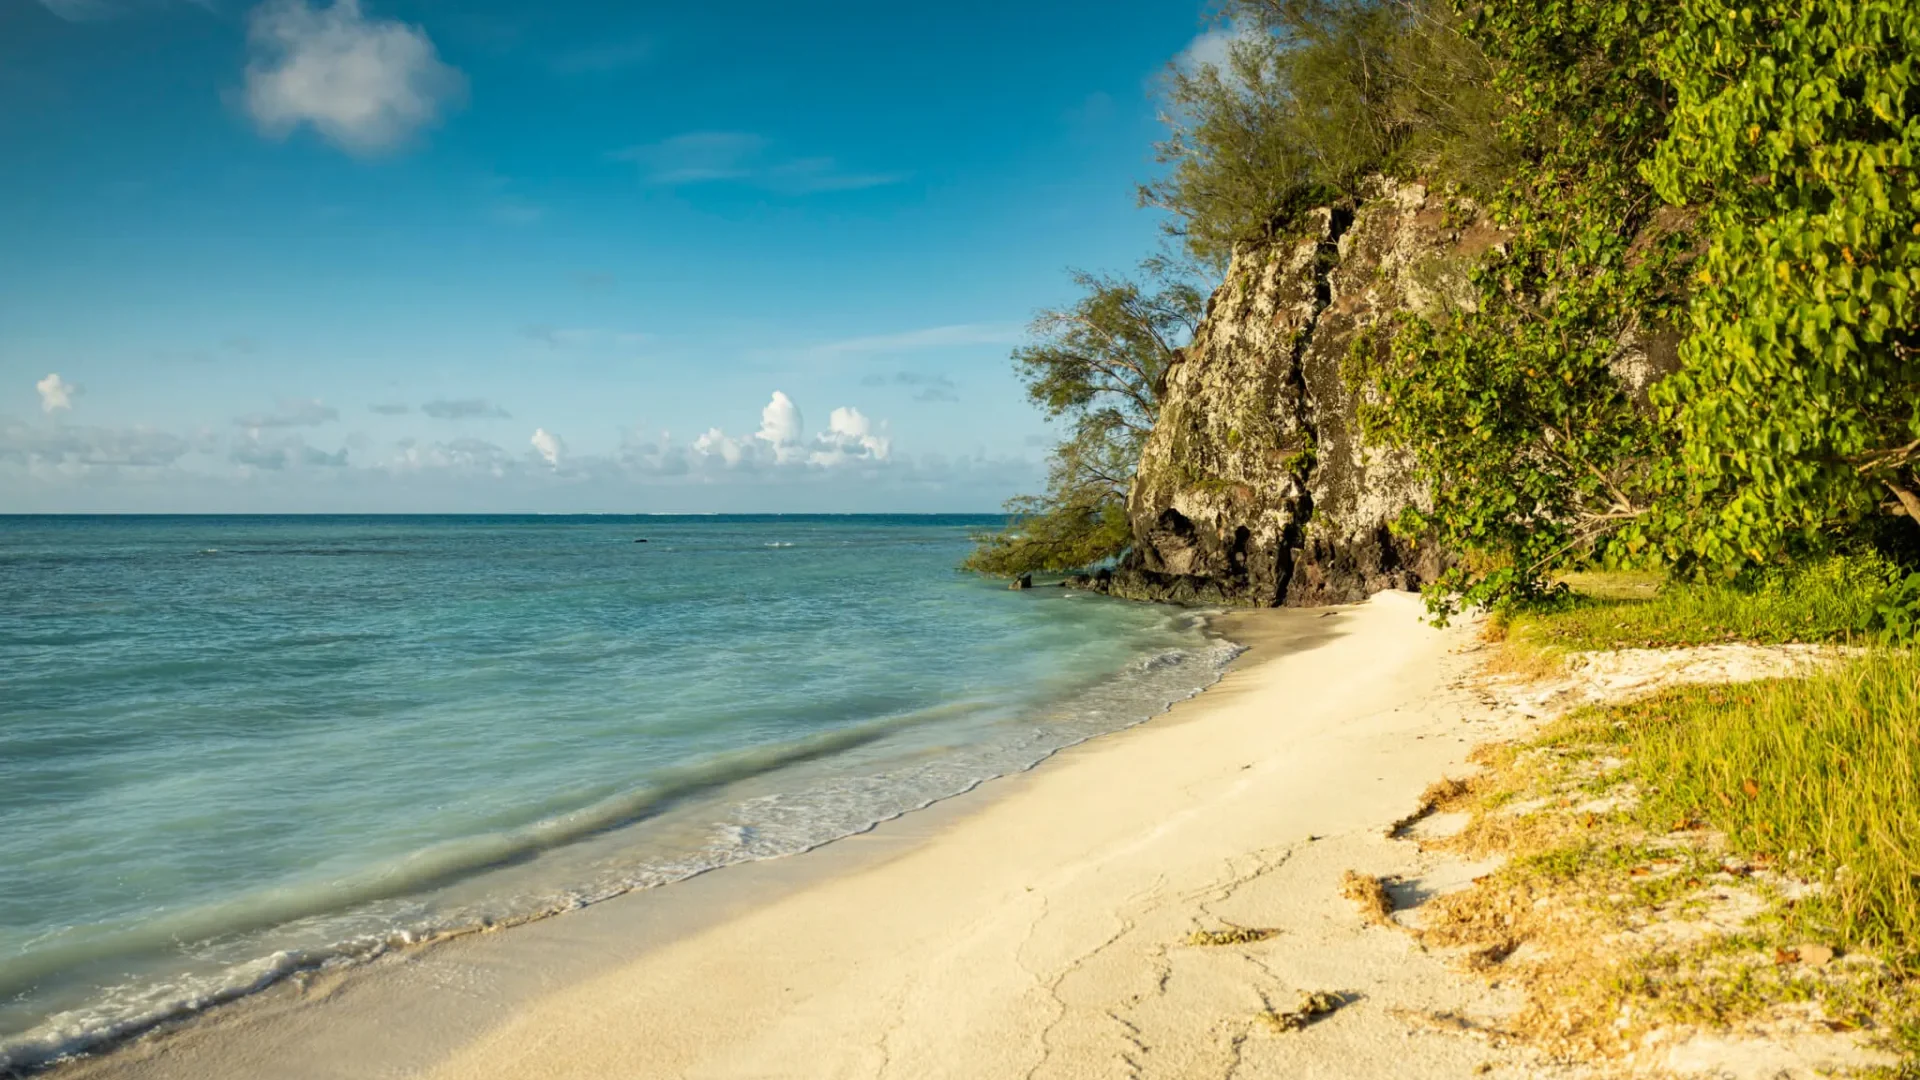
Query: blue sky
(441,255)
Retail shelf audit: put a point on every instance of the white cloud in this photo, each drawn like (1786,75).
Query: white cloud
(849,437)
(294,412)
(780,428)
(548,446)
(703,157)
(90,446)
(459,455)
(56,393)
(1211,49)
(717,443)
(258,452)
(366,85)
(779,444)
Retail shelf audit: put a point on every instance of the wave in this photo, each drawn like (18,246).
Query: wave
(836,804)
(440,863)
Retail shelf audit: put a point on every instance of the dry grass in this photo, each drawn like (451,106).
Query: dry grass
(1369,894)
(1444,792)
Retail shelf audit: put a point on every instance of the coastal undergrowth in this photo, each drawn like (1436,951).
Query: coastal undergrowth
(1844,599)
(1706,858)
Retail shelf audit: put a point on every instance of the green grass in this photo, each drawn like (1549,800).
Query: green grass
(1821,774)
(1834,600)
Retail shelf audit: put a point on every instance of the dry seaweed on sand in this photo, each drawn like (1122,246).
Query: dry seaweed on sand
(1233,935)
(1369,894)
(1312,1006)
(1439,794)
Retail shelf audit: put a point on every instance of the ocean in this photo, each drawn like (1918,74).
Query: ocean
(236,747)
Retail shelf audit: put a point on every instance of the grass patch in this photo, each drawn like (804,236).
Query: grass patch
(1792,806)
(1840,599)
(1820,774)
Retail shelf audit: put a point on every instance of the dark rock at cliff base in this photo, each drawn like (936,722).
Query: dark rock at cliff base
(1257,486)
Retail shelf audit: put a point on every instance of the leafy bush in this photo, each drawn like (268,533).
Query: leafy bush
(1782,136)
(1512,407)
(1796,126)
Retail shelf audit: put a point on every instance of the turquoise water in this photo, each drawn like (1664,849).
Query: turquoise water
(235,747)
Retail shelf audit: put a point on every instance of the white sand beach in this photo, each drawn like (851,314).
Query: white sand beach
(1038,927)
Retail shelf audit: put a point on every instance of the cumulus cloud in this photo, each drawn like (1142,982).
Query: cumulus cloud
(548,445)
(849,437)
(715,443)
(366,85)
(464,409)
(294,412)
(781,442)
(56,393)
(780,428)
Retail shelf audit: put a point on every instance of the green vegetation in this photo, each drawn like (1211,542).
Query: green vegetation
(1314,97)
(1820,776)
(1740,176)
(1838,599)
(1696,347)
(1772,827)
(1100,366)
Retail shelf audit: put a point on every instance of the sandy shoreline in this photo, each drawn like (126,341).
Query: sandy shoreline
(1035,927)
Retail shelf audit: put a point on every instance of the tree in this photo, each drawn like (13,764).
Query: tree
(1312,97)
(1100,365)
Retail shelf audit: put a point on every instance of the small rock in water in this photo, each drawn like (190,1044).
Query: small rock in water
(1024,581)
(642,540)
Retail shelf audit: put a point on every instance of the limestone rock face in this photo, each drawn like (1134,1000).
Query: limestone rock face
(1256,486)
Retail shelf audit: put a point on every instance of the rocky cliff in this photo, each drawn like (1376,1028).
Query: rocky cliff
(1257,486)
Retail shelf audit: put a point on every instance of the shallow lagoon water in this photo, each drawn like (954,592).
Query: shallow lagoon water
(231,747)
